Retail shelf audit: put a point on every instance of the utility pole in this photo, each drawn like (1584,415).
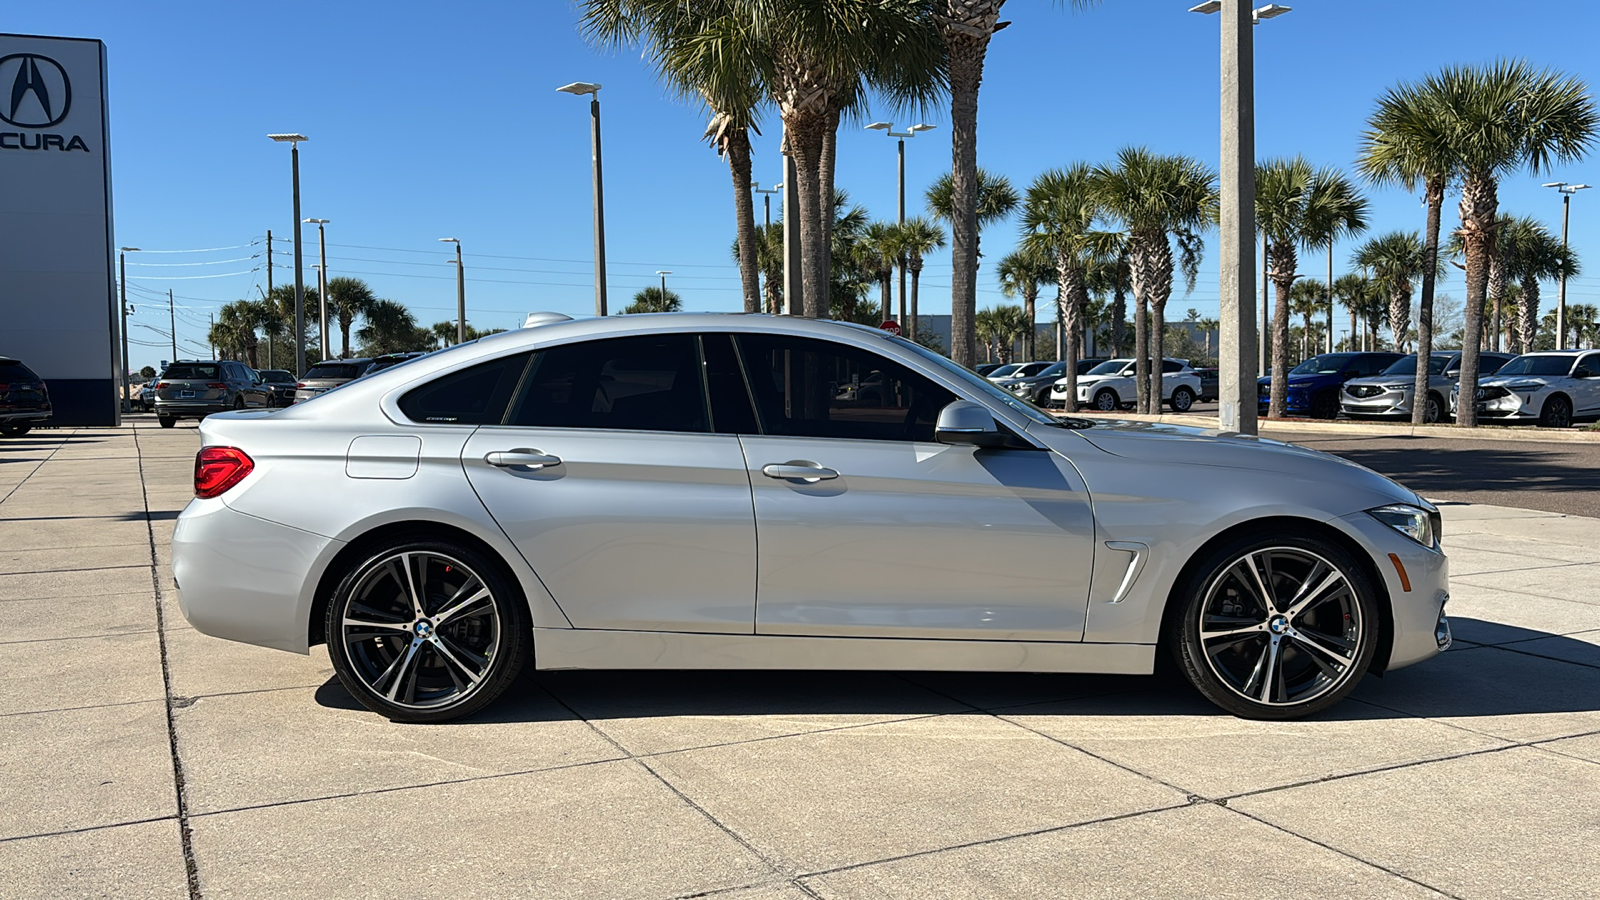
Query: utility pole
(1566,190)
(268,295)
(1237,336)
(580,88)
(208,336)
(127,400)
(172,320)
(461,292)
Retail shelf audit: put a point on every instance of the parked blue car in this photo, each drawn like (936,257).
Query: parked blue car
(1314,384)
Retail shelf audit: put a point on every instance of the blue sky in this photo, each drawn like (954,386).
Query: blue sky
(432,120)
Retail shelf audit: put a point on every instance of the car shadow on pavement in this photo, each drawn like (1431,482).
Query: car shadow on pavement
(1516,671)
(1430,469)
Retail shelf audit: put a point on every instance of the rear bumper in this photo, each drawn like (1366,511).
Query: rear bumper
(183,409)
(246,579)
(24,416)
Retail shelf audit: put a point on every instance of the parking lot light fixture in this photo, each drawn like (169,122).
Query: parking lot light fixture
(1566,190)
(580,88)
(461,292)
(900,218)
(322,283)
(294,140)
(122,284)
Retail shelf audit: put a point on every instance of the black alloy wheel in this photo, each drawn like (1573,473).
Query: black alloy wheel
(1557,413)
(1276,627)
(1325,406)
(426,631)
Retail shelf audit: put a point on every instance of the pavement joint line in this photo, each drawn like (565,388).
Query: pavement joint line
(76,637)
(1507,590)
(185,835)
(1347,855)
(80,569)
(1546,655)
(36,467)
(62,709)
(687,801)
(1554,565)
(85,829)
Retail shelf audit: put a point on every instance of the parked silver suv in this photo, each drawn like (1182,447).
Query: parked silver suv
(327,375)
(1389,394)
(194,390)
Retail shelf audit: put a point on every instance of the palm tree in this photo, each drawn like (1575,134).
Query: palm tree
(390,328)
(1057,219)
(1297,206)
(918,237)
(1001,328)
(1208,327)
(348,298)
(1160,201)
(1108,273)
(879,248)
(1500,119)
(281,303)
(1021,272)
(1305,299)
(1528,252)
(967,26)
(653,300)
(1397,261)
(1335,211)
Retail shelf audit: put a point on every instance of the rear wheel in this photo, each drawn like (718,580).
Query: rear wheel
(1557,413)
(426,631)
(239,403)
(1105,400)
(166,421)
(1182,399)
(1325,406)
(1276,627)
(14,430)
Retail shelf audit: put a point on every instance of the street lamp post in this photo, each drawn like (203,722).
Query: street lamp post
(293,140)
(322,283)
(1566,191)
(664,273)
(888,129)
(122,261)
(1237,338)
(766,200)
(461,292)
(579,88)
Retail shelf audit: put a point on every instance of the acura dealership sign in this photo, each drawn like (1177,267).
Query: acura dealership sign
(57,293)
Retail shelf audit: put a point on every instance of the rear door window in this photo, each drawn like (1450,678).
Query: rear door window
(16,371)
(642,383)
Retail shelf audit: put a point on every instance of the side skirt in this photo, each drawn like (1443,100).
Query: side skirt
(562,648)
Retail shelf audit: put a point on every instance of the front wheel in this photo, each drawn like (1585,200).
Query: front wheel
(1105,400)
(1325,406)
(426,631)
(1182,399)
(166,421)
(14,430)
(1276,627)
(1557,413)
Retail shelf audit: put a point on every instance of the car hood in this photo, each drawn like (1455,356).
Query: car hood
(1175,445)
(1542,381)
(1301,380)
(1384,380)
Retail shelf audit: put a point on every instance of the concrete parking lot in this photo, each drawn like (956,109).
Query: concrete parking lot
(139,758)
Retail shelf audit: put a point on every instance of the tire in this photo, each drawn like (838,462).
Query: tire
(1434,411)
(14,430)
(239,403)
(166,421)
(1313,656)
(1105,400)
(1557,413)
(1182,399)
(417,654)
(1325,406)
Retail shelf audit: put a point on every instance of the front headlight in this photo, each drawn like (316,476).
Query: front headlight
(1421,525)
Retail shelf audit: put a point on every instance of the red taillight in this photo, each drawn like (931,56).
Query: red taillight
(162,386)
(216,385)
(216,469)
(300,384)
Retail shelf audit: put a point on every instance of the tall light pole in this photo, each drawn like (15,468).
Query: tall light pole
(322,283)
(766,200)
(888,129)
(122,280)
(1237,338)
(293,140)
(663,273)
(579,88)
(1566,190)
(461,292)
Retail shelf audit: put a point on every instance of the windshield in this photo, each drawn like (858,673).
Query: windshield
(1109,367)
(1408,365)
(1537,365)
(1326,364)
(983,386)
(335,370)
(1056,370)
(1005,370)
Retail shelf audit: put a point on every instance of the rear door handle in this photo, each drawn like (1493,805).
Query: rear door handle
(801,469)
(527,459)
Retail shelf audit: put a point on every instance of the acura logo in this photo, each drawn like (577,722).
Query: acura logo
(40,95)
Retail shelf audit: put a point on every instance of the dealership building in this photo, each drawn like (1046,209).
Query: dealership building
(58,307)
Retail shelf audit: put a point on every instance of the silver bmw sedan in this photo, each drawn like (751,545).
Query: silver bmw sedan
(733,492)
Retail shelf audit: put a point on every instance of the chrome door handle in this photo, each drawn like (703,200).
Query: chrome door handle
(801,469)
(527,459)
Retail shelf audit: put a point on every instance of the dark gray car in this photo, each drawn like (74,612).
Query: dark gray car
(194,390)
(327,375)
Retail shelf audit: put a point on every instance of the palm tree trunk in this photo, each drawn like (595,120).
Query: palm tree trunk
(826,163)
(1434,195)
(1119,317)
(967,51)
(1030,295)
(1158,350)
(1278,404)
(1072,295)
(916,276)
(1528,315)
(884,282)
(1496,289)
(738,149)
(805,145)
(1478,207)
(1141,353)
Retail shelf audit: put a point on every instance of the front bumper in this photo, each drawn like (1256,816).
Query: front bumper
(1390,402)
(1417,601)
(246,579)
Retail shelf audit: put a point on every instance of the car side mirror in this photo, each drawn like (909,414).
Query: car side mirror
(1581,372)
(965,422)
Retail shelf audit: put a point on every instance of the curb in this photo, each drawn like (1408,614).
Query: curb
(1530,434)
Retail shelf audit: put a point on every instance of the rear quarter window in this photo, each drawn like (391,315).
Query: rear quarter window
(477,395)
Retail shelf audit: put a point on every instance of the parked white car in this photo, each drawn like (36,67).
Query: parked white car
(1552,388)
(1110,386)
